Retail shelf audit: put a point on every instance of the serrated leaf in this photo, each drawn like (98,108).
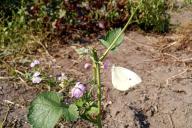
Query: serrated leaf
(80,103)
(92,114)
(72,113)
(110,37)
(45,110)
(93,111)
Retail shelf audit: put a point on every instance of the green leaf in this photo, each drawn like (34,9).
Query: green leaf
(93,111)
(110,37)
(105,43)
(91,114)
(80,103)
(72,113)
(45,110)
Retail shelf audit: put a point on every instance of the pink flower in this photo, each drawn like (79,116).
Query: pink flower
(87,65)
(35,62)
(78,90)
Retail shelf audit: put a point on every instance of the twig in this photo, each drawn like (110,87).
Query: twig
(24,82)
(167,46)
(12,103)
(187,60)
(171,120)
(172,77)
(6,115)
(5,78)
(176,58)
(60,91)
(17,71)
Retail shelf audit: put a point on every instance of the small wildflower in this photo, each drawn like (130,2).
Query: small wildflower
(87,65)
(36,74)
(78,90)
(62,77)
(35,62)
(81,86)
(36,80)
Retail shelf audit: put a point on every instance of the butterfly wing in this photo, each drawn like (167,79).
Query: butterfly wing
(123,79)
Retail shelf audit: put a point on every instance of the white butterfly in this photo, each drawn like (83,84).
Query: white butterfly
(123,79)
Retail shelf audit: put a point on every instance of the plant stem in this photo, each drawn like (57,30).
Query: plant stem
(116,38)
(97,77)
(94,73)
(99,94)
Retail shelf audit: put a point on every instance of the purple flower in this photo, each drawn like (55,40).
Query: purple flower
(78,90)
(87,65)
(81,86)
(35,62)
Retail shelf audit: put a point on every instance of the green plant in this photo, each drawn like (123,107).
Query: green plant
(47,108)
(18,28)
(188,1)
(151,15)
(15,31)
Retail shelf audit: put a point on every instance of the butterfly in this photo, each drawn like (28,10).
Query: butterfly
(123,79)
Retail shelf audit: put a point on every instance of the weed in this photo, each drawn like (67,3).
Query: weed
(152,15)
(188,1)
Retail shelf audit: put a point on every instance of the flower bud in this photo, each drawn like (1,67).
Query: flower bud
(78,90)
